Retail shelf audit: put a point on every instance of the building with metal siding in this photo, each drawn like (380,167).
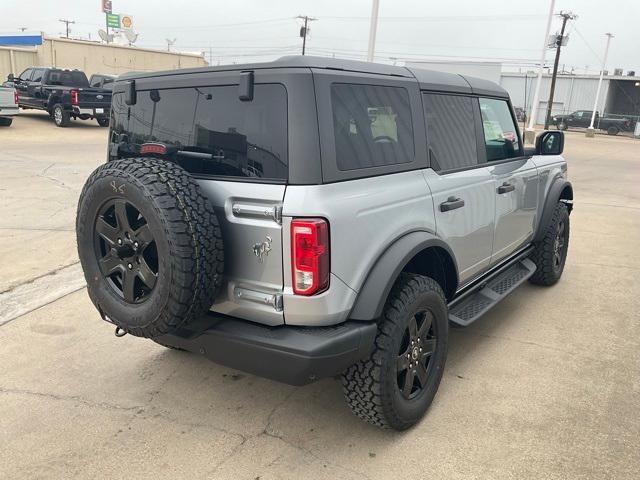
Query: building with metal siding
(620,94)
(92,57)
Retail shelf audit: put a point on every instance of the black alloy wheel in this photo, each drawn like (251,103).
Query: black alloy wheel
(559,246)
(126,250)
(416,350)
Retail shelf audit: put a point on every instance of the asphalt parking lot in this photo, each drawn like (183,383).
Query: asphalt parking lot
(547,385)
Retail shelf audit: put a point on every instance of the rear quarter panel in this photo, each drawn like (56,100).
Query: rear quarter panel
(365,216)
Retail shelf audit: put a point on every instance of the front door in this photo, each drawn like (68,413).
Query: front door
(515,179)
(22,86)
(461,186)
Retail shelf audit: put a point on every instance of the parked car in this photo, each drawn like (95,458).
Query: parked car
(313,217)
(8,105)
(102,80)
(65,94)
(582,118)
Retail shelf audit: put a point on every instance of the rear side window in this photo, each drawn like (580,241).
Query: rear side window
(67,78)
(372,126)
(450,131)
(214,132)
(500,133)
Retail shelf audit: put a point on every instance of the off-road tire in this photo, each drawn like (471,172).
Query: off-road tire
(61,117)
(371,385)
(5,122)
(190,259)
(612,130)
(103,122)
(548,272)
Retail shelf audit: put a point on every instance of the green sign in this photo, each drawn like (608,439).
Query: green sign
(113,20)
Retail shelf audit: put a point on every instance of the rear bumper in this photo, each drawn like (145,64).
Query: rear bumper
(288,354)
(90,112)
(9,111)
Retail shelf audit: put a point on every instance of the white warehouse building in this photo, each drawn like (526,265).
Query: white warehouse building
(620,94)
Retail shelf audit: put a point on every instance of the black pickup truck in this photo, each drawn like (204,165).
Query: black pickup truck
(582,118)
(65,94)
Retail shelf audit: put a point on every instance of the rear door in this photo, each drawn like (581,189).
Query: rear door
(461,185)
(515,178)
(238,151)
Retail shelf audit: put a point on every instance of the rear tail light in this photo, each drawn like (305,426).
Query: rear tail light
(15,97)
(158,148)
(74,97)
(310,255)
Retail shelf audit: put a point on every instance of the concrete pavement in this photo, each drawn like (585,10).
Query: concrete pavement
(547,385)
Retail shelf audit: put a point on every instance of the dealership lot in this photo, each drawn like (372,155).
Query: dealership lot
(544,386)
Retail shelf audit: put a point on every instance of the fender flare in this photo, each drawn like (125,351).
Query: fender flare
(376,287)
(558,185)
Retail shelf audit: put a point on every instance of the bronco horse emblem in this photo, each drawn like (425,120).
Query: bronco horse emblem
(262,249)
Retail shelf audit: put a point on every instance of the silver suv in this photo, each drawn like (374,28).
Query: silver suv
(312,217)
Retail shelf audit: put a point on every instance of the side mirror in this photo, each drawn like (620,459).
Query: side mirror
(550,142)
(10,78)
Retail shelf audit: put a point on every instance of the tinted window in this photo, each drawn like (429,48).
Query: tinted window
(26,75)
(372,126)
(239,139)
(67,78)
(450,131)
(37,75)
(500,133)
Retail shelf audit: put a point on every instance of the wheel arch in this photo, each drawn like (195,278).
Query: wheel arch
(416,252)
(561,190)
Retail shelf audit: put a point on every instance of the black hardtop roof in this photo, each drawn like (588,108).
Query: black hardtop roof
(428,79)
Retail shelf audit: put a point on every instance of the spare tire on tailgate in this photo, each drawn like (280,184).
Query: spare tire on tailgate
(150,245)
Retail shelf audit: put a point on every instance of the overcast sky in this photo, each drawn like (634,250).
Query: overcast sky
(238,31)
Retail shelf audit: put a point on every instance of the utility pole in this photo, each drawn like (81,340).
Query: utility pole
(304,30)
(566,16)
(373,28)
(590,131)
(530,133)
(66,23)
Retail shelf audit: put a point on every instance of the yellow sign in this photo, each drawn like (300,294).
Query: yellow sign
(126,21)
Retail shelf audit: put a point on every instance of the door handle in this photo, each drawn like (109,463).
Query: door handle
(506,187)
(451,204)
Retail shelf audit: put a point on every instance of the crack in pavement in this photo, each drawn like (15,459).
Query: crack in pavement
(39,292)
(73,398)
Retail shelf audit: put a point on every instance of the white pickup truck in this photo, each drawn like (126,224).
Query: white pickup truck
(8,105)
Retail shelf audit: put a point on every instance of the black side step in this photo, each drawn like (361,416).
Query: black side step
(479,302)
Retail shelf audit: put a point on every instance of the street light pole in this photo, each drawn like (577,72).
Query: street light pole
(591,131)
(373,30)
(530,132)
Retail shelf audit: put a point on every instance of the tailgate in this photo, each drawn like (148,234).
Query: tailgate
(6,98)
(94,98)
(249,215)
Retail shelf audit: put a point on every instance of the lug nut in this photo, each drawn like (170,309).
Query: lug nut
(119,241)
(135,244)
(130,266)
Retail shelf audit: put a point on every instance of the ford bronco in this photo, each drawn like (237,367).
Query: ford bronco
(314,217)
